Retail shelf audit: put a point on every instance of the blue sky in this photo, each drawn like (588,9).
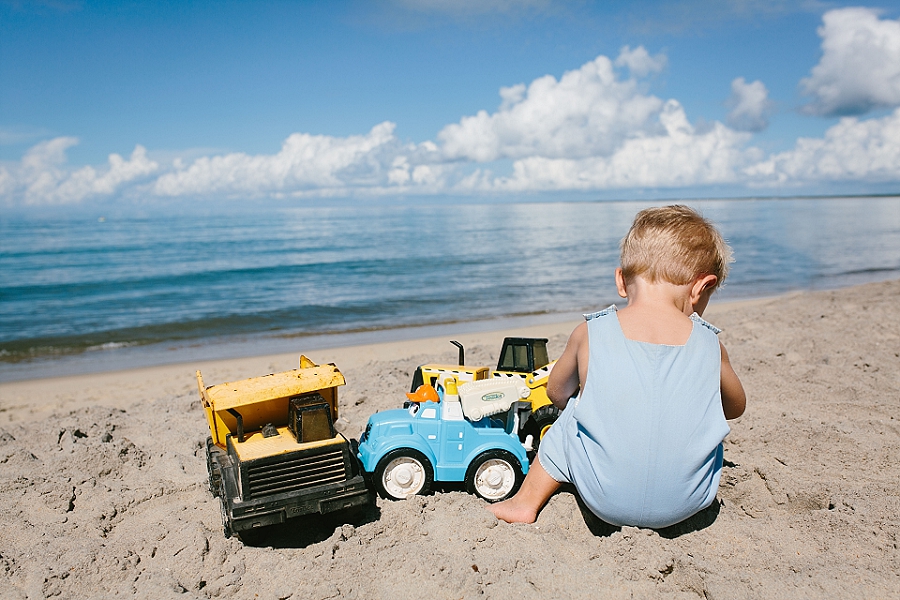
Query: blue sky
(492,99)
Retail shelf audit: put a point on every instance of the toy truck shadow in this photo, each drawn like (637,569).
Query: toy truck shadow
(307,530)
(470,436)
(273,453)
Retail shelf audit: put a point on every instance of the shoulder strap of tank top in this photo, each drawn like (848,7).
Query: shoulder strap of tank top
(696,319)
(600,313)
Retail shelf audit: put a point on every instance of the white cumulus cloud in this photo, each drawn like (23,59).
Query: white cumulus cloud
(851,150)
(305,163)
(860,65)
(639,61)
(587,112)
(677,156)
(43,176)
(750,105)
(595,128)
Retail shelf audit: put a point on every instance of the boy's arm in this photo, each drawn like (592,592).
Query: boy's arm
(734,400)
(564,378)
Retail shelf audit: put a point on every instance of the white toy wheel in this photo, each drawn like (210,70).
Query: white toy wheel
(403,473)
(494,475)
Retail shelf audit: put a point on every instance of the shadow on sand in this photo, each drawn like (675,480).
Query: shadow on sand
(304,531)
(696,522)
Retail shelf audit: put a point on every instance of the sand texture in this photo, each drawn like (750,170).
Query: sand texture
(104,490)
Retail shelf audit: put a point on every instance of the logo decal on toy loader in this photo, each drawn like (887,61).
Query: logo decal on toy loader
(493,396)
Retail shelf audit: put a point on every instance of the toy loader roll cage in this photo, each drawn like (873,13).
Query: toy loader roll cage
(523,355)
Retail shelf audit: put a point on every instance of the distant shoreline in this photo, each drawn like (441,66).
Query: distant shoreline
(102,210)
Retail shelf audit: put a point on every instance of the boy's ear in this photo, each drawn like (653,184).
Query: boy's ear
(620,283)
(701,285)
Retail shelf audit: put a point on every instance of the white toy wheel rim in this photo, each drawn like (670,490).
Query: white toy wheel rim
(494,478)
(403,477)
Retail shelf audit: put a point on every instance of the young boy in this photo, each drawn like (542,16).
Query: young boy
(642,441)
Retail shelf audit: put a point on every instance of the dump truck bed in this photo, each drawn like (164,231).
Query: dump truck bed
(236,394)
(258,401)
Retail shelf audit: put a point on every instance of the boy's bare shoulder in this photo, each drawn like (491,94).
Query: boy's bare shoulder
(579,334)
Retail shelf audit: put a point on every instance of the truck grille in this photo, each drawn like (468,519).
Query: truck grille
(295,473)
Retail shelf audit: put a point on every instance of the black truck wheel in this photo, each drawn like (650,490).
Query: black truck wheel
(537,425)
(226,522)
(212,467)
(494,475)
(403,473)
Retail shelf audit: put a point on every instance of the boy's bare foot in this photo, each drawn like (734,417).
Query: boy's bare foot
(530,499)
(513,511)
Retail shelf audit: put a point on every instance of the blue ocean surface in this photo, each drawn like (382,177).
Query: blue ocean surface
(95,292)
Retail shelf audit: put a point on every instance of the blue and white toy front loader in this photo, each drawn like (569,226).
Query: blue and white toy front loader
(455,440)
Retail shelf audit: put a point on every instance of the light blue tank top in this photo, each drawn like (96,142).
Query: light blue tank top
(650,425)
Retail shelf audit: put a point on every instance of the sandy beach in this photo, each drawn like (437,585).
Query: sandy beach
(105,495)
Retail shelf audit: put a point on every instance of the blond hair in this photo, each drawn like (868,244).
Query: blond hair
(674,244)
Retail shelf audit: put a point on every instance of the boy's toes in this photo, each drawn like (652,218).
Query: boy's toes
(510,512)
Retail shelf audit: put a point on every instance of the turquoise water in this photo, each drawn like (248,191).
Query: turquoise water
(90,291)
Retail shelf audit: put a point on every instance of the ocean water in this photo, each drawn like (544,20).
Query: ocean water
(87,293)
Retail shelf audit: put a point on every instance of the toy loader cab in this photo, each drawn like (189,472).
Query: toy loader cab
(523,355)
(273,452)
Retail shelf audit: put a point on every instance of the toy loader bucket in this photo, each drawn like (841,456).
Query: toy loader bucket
(490,396)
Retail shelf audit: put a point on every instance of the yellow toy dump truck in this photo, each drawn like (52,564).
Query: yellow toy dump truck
(520,357)
(273,452)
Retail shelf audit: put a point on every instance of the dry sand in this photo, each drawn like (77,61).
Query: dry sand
(104,484)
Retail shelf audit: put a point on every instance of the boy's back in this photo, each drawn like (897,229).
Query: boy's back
(645,433)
